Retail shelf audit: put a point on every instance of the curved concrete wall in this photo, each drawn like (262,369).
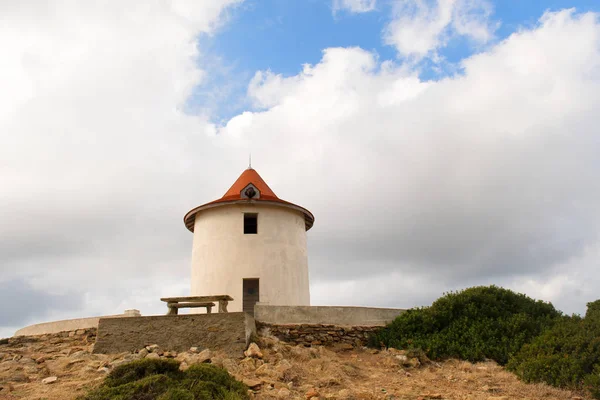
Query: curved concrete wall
(222,255)
(68,324)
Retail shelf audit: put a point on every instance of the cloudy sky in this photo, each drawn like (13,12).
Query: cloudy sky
(440,144)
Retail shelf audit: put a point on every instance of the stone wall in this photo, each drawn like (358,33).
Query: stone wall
(230,332)
(329,315)
(319,334)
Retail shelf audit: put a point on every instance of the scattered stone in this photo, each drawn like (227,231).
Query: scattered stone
(402,358)
(194,350)
(252,383)
(152,356)
(153,348)
(312,392)
(143,352)
(80,332)
(183,366)
(204,356)
(266,370)
(248,364)
(284,393)
(103,369)
(49,380)
(230,365)
(253,351)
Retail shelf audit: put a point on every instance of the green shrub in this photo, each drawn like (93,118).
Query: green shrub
(161,380)
(592,382)
(147,388)
(567,355)
(472,324)
(204,379)
(139,369)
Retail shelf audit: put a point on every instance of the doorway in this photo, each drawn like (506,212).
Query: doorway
(251,295)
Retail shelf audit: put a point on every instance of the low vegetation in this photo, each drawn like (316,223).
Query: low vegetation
(474,324)
(160,379)
(567,355)
(531,337)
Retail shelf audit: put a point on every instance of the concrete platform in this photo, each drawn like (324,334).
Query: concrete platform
(229,332)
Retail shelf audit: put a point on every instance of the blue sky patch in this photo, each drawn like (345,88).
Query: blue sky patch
(282,35)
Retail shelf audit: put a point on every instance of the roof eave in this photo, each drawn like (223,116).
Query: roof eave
(189,218)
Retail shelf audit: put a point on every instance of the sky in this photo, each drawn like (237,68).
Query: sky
(440,144)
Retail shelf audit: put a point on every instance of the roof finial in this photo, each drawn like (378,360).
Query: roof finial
(250,160)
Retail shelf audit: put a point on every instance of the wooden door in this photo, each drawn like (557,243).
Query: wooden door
(251,295)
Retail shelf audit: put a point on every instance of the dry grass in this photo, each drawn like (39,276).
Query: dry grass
(286,372)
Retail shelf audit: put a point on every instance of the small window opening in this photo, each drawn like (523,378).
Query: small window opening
(250,223)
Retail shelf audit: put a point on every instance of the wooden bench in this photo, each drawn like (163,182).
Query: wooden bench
(175,303)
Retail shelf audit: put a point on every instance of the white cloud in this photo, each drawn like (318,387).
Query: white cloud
(419,28)
(481,178)
(92,132)
(354,6)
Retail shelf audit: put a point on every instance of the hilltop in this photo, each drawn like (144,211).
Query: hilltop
(277,371)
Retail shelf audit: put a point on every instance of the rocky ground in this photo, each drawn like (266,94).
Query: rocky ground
(61,366)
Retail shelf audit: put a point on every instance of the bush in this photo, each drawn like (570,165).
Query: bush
(162,380)
(139,369)
(473,324)
(567,355)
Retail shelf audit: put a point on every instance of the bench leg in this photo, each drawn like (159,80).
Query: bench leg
(223,306)
(208,309)
(172,310)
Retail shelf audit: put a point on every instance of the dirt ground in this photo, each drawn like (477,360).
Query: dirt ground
(276,371)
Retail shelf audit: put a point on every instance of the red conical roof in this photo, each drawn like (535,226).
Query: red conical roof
(234,196)
(249,176)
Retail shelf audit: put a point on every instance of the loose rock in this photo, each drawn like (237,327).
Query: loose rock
(252,383)
(312,392)
(253,351)
(49,380)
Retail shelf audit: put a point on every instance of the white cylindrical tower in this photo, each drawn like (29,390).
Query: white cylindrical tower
(250,245)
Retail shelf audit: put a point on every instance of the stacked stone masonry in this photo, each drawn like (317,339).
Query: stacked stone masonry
(319,334)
